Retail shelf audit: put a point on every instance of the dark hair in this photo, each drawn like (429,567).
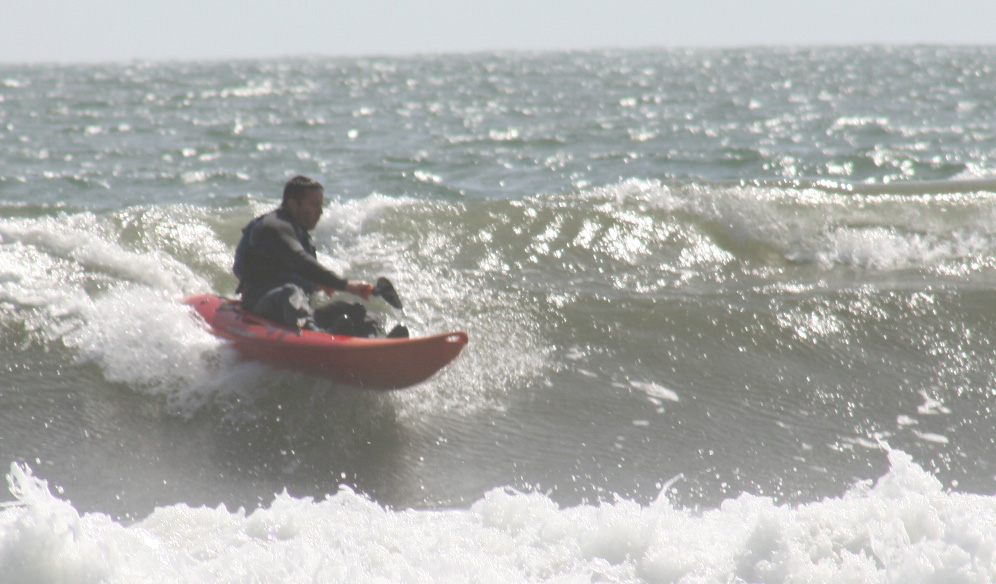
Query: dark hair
(298,186)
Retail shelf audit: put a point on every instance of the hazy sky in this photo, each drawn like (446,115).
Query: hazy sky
(123,30)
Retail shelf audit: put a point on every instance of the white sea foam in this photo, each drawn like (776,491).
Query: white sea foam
(83,244)
(931,405)
(147,339)
(77,281)
(73,282)
(655,390)
(902,527)
(357,239)
(877,232)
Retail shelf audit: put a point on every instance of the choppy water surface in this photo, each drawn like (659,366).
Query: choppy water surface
(730,318)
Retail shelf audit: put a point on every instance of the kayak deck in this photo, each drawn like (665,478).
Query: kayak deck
(370,363)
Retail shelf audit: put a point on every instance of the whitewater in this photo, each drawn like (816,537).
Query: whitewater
(904,527)
(730,318)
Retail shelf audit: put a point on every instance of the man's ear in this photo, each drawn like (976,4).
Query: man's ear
(293,207)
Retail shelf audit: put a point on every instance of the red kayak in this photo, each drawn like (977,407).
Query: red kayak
(378,363)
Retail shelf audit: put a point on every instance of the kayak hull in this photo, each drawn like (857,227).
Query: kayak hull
(378,363)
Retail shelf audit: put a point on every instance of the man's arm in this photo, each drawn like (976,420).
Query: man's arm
(278,240)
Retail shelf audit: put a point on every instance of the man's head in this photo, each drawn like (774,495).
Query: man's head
(303,200)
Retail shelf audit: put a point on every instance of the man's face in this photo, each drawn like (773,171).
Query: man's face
(307,212)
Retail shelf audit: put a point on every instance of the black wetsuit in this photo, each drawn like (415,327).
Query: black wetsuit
(278,269)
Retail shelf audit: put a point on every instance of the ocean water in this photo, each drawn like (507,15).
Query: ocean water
(730,316)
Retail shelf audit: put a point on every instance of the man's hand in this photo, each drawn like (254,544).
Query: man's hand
(357,287)
(360,288)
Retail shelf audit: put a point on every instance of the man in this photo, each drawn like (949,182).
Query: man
(278,269)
